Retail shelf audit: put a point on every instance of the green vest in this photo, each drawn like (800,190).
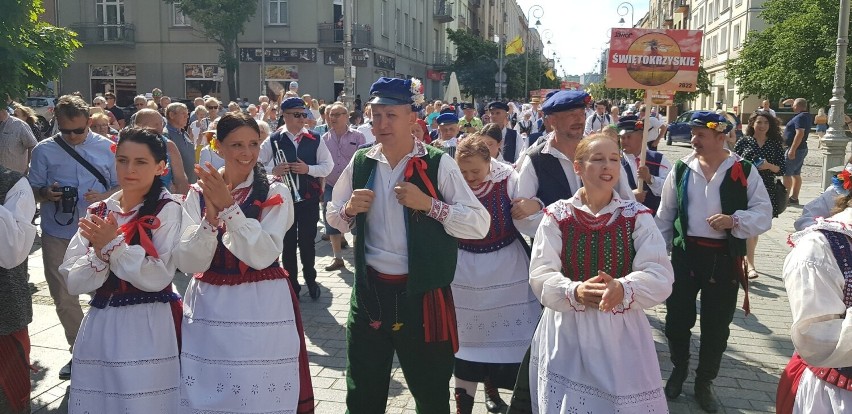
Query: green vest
(432,253)
(733,196)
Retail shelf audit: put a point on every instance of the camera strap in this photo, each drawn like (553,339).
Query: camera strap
(82,161)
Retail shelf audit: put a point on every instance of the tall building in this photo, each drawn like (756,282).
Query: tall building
(131,47)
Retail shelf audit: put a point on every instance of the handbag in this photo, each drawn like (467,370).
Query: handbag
(780,197)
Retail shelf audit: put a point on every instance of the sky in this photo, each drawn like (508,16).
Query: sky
(581,28)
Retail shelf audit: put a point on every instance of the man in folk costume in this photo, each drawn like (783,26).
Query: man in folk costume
(449,133)
(652,174)
(512,144)
(408,203)
(547,171)
(712,202)
(17,208)
(307,159)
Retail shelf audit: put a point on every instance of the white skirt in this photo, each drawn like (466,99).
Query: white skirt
(126,361)
(240,348)
(597,362)
(496,310)
(817,396)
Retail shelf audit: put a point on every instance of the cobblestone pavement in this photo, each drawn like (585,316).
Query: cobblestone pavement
(758,350)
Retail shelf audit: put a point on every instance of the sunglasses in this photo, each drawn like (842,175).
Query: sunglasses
(77,131)
(212,107)
(336,114)
(297,115)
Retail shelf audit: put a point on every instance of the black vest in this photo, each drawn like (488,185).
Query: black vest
(16,305)
(652,160)
(310,188)
(553,185)
(511,145)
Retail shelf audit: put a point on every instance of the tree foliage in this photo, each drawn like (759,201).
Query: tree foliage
(600,91)
(794,56)
(31,52)
(221,21)
(475,68)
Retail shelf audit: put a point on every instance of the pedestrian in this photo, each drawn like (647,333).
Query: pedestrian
(117,112)
(495,308)
(652,173)
(764,148)
(796,140)
(411,204)
(598,120)
(821,122)
(656,128)
(764,106)
(469,123)
(177,116)
(593,348)
(448,133)
(123,253)
(17,208)
(299,153)
(711,203)
(816,276)
(342,142)
(239,306)
(17,142)
(513,144)
(68,172)
(28,115)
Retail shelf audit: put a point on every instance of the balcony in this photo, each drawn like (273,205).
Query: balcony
(331,36)
(682,6)
(472,4)
(442,60)
(443,11)
(94,34)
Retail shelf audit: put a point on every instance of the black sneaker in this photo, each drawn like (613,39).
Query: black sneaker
(706,397)
(65,372)
(314,290)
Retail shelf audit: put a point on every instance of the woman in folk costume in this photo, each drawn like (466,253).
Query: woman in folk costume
(126,352)
(818,278)
(495,309)
(243,344)
(597,263)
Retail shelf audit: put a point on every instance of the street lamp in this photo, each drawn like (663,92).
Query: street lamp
(535,12)
(623,9)
(835,138)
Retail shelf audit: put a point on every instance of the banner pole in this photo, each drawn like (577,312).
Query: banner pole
(648,103)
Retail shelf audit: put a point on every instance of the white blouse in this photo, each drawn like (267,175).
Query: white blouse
(85,272)
(257,243)
(16,228)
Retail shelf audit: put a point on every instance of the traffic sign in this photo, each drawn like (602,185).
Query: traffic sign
(500,77)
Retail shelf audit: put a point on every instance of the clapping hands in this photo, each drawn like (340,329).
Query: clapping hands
(602,291)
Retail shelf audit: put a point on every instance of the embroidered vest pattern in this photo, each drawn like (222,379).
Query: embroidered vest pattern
(502,231)
(590,244)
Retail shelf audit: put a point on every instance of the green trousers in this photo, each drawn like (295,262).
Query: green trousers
(427,367)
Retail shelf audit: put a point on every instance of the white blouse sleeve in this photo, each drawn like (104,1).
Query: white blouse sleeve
(527,187)
(650,282)
(757,219)
(466,217)
(339,197)
(258,243)
(818,207)
(822,325)
(16,229)
(197,245)
(549,285)
(525,226)
(82,269)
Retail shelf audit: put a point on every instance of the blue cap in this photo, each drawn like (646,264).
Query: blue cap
(628,124)
(293,103)
(565,101)
(449,110)
(499,105)
(711,120)
(549,94)
(445,119)
(391,91)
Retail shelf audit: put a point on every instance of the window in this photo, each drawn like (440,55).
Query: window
(398,35)
(384,18)
(701,17)
(735,37)
(738,2)
(718,9)
(278,13)
(178,18)
(202,79)
(118,79)
(710,11)
(110,19)
(406,38)
(723,40)
(725,4)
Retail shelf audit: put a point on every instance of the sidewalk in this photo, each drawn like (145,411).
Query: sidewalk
(758,350)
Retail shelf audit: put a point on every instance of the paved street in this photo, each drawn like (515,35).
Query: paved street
(759,346)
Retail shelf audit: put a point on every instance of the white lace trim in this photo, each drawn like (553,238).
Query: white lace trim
(419,150)
(118,364)
(821,224)
(559,210)
(563,209)
(107,250)
(499,171)
(125,396)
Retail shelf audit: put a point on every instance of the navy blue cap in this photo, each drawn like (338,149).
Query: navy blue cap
(449,110)
(499,105)
(628,124)
(293,103)
(711,120)
(551,93)
(445,119)
(565,101)
(391,91)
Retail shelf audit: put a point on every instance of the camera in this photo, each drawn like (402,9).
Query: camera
(68,200)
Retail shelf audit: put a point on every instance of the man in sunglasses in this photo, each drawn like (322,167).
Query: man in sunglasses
(65,188)
(305,158)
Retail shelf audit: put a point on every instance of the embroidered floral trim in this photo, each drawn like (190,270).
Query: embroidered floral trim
(233,277)
(110,247)
(439,211)
(123,396)
(95,262)
(210,322)
(205,225)
(185,403)
(559,210)
(496,307)
(342,214)
(115,364)
(500,171)
(375,151)
(279,361)
(230,212)
(821,224)
(628,300)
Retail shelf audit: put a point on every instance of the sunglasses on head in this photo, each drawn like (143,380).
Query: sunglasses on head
(297,115)
(77,131)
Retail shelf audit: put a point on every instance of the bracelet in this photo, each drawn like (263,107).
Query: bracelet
(736,220)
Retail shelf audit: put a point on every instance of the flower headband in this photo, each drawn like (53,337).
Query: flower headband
(417,90)
(842,182)
(717,126)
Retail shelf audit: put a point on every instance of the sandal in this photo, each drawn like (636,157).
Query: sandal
(752,274)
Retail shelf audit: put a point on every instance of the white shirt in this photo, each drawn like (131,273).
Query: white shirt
(325,163)
(596,122)
(528,181)
(386,238)
(367,130)
(653,126)
(17,232)
(704,201)
(818,207)
(656,180)
(520,145)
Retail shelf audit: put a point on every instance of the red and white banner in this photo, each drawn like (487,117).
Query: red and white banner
(658,59)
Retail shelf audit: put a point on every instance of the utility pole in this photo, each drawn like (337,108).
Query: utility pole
(263,48)
(348,78)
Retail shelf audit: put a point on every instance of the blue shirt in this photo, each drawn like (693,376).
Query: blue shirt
(51,164)
(801,120)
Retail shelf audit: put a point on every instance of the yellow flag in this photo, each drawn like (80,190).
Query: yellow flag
(515,47)
(550,74)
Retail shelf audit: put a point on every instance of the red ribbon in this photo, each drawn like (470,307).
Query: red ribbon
(272,201)
(139,225)
(417,164)
(737,174)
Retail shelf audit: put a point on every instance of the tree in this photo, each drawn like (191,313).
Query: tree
(31,52)
(600,90)
(221,21)
(794,56)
